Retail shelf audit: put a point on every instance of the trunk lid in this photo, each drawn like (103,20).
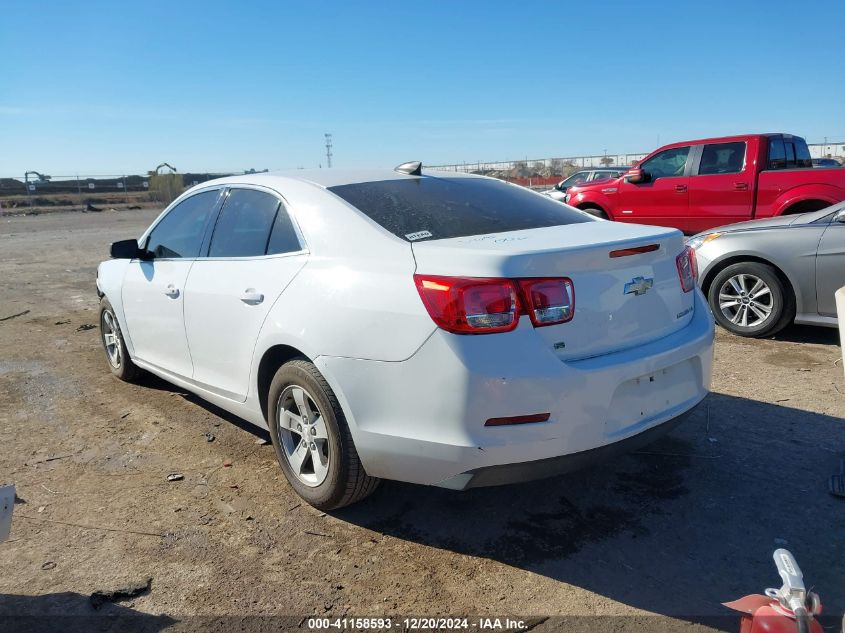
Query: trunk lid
(620,302)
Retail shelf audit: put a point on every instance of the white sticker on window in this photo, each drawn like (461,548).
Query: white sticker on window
(417,236)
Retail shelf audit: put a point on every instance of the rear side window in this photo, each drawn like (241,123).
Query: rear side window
(431,208)
(722,158)
(243,228)
(180,232)
(283,237)
(777,153)
(802,153)
(790,152)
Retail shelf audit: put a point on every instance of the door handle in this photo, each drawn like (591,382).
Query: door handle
(741,186)
(680,188)
(251,296)
(172,291)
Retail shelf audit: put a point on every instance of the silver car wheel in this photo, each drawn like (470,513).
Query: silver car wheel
(111,338)
(303,435)
(746,300)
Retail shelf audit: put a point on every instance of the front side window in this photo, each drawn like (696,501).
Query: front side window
(722,158)
(604,175)
(243,228)
(669,162)
(432,208)
(576,179)
(180,232)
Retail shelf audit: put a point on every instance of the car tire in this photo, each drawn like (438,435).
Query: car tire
(772,299)
(114,346)
(325,472)
(595,211)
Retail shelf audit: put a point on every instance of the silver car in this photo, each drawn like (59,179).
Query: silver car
(558,192)
(762,275)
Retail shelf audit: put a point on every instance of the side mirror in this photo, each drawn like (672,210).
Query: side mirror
(636,175)
(125,249)
(840,217)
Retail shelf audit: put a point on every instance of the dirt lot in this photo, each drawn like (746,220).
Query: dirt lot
(687,523)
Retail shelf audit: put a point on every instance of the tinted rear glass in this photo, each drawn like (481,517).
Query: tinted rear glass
(431,208)
(243,227)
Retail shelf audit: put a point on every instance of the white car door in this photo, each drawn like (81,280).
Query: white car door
(253,254)
(153,289)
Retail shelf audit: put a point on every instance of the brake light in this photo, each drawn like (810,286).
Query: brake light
(636,250)
(687,269)
(470,305)
(548,301)
(480,305)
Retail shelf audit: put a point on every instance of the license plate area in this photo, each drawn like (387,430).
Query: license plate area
(648,397)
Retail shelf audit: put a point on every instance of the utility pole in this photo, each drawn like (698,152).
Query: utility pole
(328,150)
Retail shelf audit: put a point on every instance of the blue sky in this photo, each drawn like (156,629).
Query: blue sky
(112,87)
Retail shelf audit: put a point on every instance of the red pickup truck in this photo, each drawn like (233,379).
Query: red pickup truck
(697,185)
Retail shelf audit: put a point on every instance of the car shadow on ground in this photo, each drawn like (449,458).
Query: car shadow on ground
(808,334)
(71,612)
(675,529)
(150,381)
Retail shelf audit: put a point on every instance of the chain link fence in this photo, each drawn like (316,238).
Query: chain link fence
(545,172)
(38,193)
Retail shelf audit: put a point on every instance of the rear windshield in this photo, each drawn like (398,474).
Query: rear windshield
(430,208)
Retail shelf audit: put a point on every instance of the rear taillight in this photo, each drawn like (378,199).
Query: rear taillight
(687,269)
(473,305)
(469,305)
(548,301)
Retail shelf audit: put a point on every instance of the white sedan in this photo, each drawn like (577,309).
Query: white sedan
(435,328)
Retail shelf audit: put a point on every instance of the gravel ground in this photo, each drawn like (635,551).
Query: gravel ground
(685,524)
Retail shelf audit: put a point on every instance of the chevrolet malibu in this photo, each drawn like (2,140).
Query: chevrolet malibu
(434,328)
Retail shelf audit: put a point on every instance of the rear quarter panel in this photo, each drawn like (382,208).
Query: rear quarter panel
(355,297)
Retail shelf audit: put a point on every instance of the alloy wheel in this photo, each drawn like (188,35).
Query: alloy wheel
(303,434)
(111,338)
(746,300)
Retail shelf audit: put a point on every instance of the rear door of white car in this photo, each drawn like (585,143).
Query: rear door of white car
(255,251)
(154,289)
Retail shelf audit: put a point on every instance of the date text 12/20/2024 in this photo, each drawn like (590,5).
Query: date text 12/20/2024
(416,624)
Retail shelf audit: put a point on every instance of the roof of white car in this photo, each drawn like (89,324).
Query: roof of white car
(331,177)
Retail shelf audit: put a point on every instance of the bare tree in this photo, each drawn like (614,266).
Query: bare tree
(568,168)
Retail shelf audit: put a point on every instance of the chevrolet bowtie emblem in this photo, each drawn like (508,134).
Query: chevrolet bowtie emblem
(638,286)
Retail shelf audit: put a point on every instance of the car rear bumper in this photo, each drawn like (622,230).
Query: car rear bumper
(422,420)
(551,466)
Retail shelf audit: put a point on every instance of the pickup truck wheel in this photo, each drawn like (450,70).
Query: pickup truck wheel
(749,299)
(596,212)
(113,344)
(312,439)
